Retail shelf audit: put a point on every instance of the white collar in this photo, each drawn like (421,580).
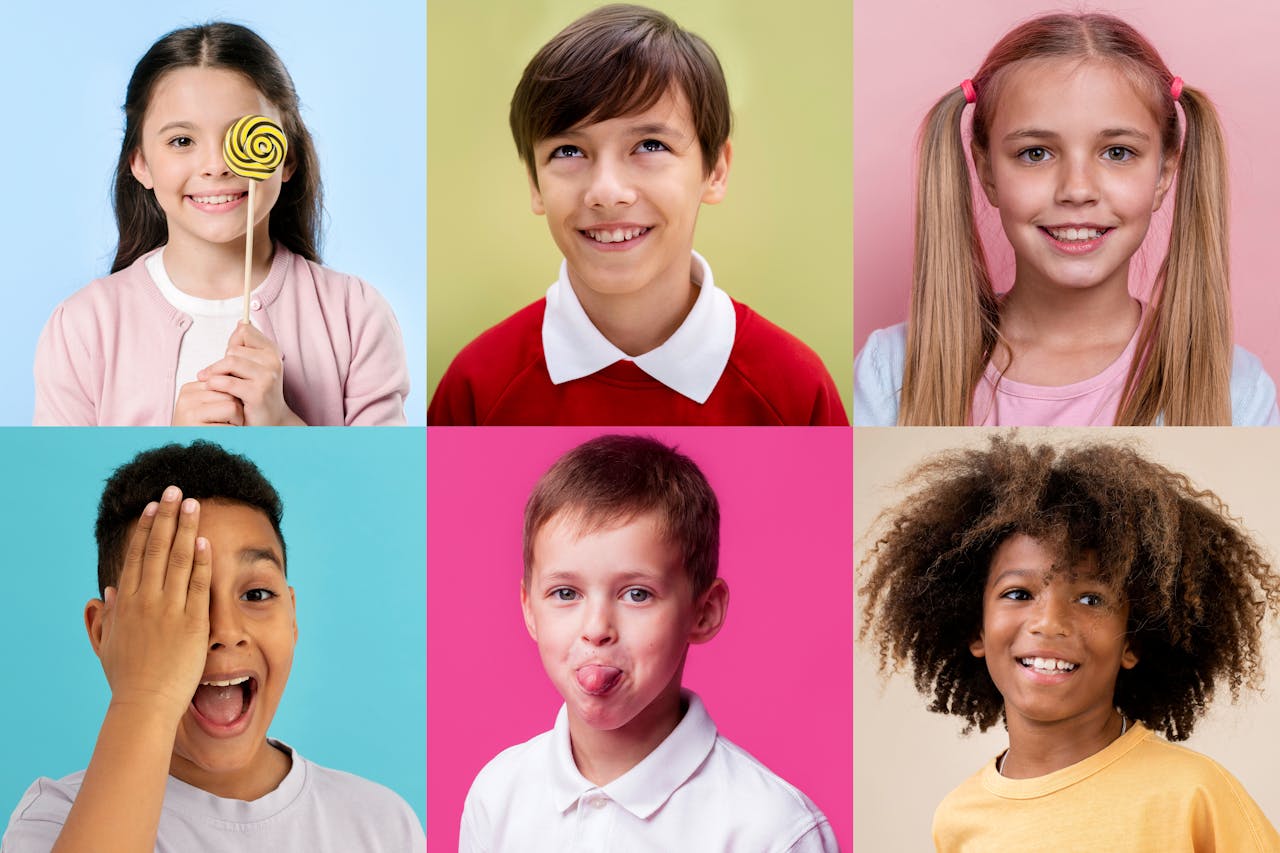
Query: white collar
(689,362)
(643,789)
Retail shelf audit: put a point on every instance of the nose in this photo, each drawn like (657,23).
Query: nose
(226,624)
(1078,181)
(1050,615)
(597,624)
(610,184)
(214,165)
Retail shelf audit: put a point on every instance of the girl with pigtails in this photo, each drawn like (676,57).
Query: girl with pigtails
(1076,141)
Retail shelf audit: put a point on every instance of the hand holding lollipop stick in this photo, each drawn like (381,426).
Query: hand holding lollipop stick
(254,148)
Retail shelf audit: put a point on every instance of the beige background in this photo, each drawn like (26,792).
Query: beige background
(907,759)
(781,241)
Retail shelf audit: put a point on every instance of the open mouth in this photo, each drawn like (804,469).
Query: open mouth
(222,705)
(1075,234)
(217,200)
(597,679)
(614,235)
(1048,666)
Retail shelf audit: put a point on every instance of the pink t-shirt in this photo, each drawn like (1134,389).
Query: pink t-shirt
(1096,400)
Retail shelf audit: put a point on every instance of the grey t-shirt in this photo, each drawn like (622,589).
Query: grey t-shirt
(314,809)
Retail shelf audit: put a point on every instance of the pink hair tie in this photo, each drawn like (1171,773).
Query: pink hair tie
(1175,88)
(970,94)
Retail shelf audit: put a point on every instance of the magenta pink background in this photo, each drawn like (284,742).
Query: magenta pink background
(907,54)
(778,679)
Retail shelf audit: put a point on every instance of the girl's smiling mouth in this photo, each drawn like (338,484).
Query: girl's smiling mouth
(217,202)
(1075,239)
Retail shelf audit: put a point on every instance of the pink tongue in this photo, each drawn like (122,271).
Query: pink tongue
(221,705)
(597,679)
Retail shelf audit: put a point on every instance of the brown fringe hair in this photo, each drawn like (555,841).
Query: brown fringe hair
(1181,373)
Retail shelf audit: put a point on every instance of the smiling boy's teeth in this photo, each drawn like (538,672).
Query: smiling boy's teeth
(228,683)
(1068,234)
(1048,664)
(617,235)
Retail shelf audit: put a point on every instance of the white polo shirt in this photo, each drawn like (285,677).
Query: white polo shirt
(696,792)
(689,362)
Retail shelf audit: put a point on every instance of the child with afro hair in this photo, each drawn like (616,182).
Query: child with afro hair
(1092,600)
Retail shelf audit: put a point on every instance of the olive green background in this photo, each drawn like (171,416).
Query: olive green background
(782,239)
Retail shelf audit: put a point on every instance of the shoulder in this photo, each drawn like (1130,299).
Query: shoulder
(487,367)
(769,806)
(499,779)
(1253,393)
(500,789)
(784,370)
(40,813)
(119,295)
(307,280)
(877,377)
(365,802)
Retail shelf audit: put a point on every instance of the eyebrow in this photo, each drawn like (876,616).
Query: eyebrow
(173,125)
(565,576)
(254,555)
(1036,133)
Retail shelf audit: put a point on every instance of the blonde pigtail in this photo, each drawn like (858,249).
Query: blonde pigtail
(954,316)
(1185,377)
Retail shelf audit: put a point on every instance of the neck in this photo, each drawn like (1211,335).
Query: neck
(262,776)
(603,756)
(216,270)
(1037,749)
(642,319)
(1049,310)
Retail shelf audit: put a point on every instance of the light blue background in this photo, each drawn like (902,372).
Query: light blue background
(354,524)
(361,74)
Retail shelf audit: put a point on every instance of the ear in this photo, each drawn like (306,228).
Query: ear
(1168,168)
(977,648)
(718,179)
(95,617)
(293,600)
(709,612)
(1128,658)
(286,171)
(141,172)
(529,624)
(535,195)
(982,165)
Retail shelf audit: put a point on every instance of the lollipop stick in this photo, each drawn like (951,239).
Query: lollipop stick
(248,251)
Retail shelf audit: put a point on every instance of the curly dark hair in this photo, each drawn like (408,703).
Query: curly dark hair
(203,471)
(1198,586)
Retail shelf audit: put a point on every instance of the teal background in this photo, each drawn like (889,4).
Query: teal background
(354,523)
(361,75)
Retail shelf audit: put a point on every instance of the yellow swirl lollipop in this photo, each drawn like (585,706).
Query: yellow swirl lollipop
(254,147)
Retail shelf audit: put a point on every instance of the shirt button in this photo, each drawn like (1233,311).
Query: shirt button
(597,803)
(255,304)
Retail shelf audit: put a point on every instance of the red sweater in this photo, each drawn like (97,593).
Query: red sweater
(501,379)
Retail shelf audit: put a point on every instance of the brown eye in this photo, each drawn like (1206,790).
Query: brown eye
(1034,154)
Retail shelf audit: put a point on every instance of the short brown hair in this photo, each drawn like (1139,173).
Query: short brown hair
(617,61)
(614,478)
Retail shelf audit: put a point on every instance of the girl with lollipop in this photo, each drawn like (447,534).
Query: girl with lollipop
(160,341)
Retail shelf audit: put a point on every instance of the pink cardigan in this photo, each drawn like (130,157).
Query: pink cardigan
(109,354)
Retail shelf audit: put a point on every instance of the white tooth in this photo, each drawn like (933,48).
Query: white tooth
(1040,663)
(617,235)
(231,682)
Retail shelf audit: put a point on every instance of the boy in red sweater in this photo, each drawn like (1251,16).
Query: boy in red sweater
(623,121)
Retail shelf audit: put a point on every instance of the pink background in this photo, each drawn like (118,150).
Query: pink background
(909,53)
(777,679)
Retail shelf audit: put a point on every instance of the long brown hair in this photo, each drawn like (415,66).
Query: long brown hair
(1182,370)
(295,219)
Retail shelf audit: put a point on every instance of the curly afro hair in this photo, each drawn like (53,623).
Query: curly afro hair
(203,471)
(1198,586)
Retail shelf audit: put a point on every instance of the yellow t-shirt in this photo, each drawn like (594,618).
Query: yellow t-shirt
(1141,794)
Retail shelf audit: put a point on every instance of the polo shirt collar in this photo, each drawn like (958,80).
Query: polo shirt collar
(689,362)
(643,789)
